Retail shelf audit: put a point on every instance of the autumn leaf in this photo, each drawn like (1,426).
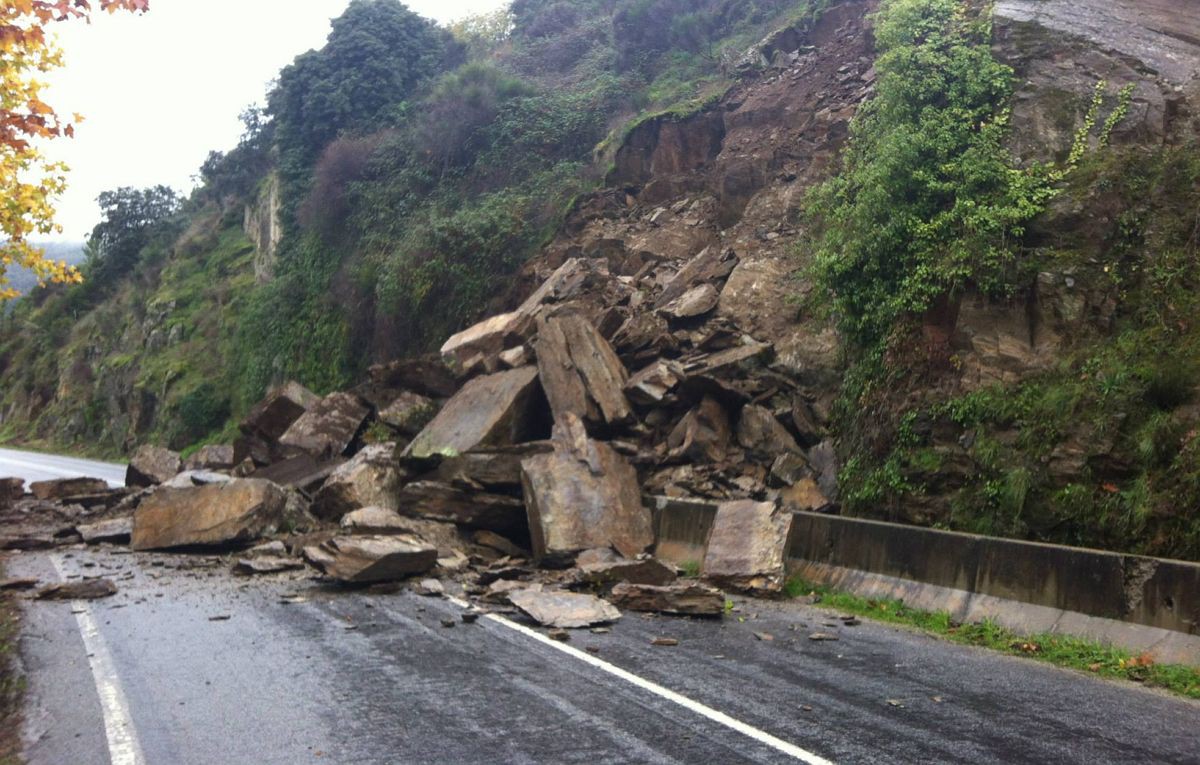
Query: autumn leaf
(29,183)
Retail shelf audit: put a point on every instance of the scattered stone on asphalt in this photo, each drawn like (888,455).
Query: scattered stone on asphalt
(430,588)
(114,530)
(561,635)
(470,617)
(765,637)
(266,564)
(19,583)
(448,623)
(91,589)
(220,618)
(687,599)
(564,610)
(603,566)
(372,558)
(822,637)
(665,642)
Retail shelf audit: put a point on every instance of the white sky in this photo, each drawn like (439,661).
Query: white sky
(160,91)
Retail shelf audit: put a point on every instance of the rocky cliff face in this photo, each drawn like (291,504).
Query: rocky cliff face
(734,176)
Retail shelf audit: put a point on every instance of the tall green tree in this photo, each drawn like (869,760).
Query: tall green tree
(376,56)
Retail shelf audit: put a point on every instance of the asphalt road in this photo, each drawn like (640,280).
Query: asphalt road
(189,665)
(47,467)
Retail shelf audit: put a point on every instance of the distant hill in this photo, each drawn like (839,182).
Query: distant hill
(71,252)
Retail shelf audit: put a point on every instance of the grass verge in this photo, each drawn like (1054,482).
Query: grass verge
(1059,650)
(12,685)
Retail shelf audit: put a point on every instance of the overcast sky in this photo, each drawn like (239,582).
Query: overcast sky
(161,90)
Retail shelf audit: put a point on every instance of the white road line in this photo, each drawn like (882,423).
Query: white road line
(720,718)
(123,746)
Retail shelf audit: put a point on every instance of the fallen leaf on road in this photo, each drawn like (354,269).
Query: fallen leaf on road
(895,703)
(764,636)
(822,636)
(662,641)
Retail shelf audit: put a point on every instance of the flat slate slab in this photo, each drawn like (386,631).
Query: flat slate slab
(489,411)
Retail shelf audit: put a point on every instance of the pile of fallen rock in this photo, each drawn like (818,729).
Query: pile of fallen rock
(514,466)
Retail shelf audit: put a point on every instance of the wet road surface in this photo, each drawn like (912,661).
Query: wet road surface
(209,668)
(33,466)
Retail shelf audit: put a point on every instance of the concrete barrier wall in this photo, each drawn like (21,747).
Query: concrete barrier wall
(1135,602)
(1130,588)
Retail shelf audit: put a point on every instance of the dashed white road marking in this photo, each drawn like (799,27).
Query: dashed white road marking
(123,746)
(691,705)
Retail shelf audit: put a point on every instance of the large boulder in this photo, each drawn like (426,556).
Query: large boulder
(152,465)
(239,511)
(304,472)
(747,545)
(471,508)
(487,339)
(328,427)
(272,416)
(66,488)
(581,496)
(580,372)
(703,435)
(361,560)
(489,411)
(371,479)
(762,434)
(11,489)
(408,413)
(211,457)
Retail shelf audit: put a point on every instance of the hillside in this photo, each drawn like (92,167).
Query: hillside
(968,232)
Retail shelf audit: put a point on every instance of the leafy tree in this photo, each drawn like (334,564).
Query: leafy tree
(377,54)
(929,200)
(28,182)
(235,173)
(128,219)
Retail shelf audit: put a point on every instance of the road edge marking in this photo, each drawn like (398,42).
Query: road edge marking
(662,692)
(123,745)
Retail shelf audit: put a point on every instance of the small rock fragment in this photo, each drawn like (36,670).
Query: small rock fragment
(560,635)
(664,641)
(92,589)
(430,588)
(822,637)
(564,610)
